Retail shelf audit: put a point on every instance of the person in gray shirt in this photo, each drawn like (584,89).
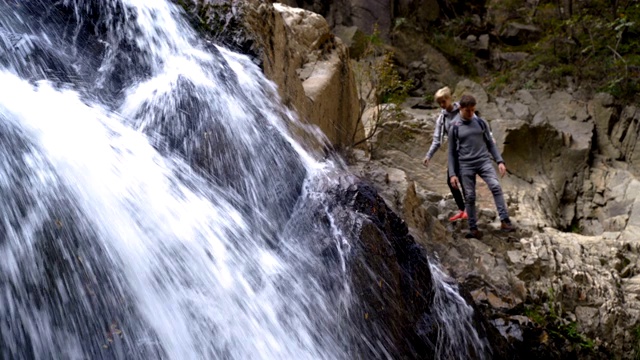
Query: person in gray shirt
(448,113)
(470,150)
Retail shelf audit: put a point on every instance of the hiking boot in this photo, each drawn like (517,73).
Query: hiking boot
(461,215)
(507,226)
(474,233)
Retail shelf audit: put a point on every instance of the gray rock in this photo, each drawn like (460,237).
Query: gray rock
(513,57)
(516,33)
(603,114)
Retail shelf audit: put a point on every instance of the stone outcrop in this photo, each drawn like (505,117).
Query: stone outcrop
(362,14)
(416,58)
(311,68)
(298,52)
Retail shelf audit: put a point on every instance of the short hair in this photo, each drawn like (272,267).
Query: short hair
(467,100)
(444,93)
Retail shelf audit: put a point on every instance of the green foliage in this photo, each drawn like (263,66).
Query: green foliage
(460,56)
(536,315)
(390,88)
(499,81)
(376,71)
(558,328)
(636,339)
(597,43)
(510,5)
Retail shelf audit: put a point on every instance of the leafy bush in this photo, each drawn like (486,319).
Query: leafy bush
(596,42)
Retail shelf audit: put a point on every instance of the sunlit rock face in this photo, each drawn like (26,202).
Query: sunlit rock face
(297,51)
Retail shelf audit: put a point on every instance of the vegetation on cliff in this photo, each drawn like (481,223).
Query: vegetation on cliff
(595,43)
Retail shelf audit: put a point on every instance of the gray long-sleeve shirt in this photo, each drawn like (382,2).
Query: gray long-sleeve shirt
(472,146)
(442,128)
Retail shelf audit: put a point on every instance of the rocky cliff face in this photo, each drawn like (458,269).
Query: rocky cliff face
(298,52)
(568,280)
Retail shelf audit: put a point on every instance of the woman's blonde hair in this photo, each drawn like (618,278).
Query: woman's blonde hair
(444,93)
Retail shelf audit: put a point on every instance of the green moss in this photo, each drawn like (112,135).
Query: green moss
(558,328)
(498,82)
(462,59)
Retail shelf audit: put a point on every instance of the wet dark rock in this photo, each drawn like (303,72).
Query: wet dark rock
(223,22)
(387,270)
(82,45)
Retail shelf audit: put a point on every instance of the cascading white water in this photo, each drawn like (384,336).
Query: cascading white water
(457,336)
(153,201)
(178,265)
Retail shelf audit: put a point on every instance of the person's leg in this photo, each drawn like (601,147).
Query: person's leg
(468,181)
(457,194)
(489,175)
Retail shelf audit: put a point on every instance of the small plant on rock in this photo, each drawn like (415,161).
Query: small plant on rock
(380,87)
(560,330)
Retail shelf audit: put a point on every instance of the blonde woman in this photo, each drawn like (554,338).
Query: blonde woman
(448,113)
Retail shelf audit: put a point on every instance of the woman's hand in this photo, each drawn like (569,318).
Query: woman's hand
(454,182)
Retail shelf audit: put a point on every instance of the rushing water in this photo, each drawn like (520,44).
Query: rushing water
(457,337)
(149,187)
(115,247)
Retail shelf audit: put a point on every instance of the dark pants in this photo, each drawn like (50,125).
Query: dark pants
(457,194)
(488,174)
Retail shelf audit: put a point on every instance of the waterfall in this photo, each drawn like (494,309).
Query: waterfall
(457,337)
(145,178)
(154,202)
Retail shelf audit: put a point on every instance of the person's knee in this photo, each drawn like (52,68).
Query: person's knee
(470,198)
(494,186)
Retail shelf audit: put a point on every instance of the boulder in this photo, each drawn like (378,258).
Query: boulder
(487,110)
(601,106)
(511,57)
(353,38)
(624,137)
(311,67)
(400,303)
(515,33)
(363,14)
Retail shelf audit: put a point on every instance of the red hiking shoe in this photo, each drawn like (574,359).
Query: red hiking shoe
(461,215)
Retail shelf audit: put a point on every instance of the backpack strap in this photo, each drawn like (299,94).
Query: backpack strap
(455,129)
(485,133)
(483,126)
